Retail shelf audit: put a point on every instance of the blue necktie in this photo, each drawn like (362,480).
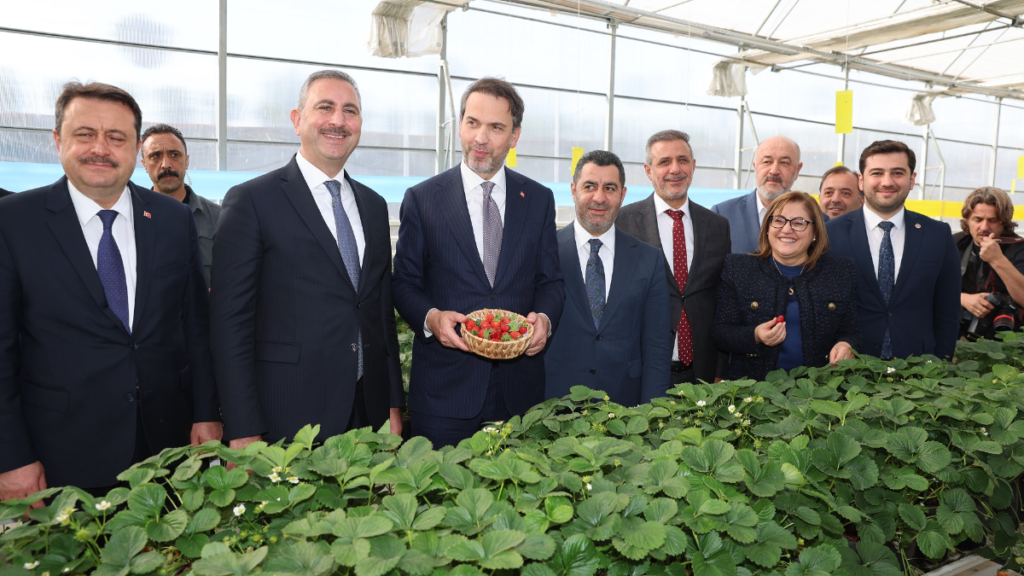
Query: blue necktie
(595,282)
(111,270)
(886,278)
(347,246)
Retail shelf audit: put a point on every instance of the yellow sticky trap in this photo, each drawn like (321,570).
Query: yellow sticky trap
(577,153)
(844,112)
(511,161)
(1020,167)
(839,163)
(1013,187)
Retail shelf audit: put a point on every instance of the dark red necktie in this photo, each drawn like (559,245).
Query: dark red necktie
(681,273)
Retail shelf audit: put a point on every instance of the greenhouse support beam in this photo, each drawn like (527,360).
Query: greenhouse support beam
(738,165)
(995,143)
(442,84)
(222,88)
(610,119)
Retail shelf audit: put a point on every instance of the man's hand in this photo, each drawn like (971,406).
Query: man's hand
(442,325)
(841,351)
(540,333)
(771,333)
(989,250)
(395,419)
(976,304)
(238,444)
(203,432)
(23,482)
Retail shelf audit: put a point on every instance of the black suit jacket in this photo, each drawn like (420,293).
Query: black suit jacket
(923,315)
(753,292)
(285,318)
(437,265)
(700,295)
(68,368)
(629,355)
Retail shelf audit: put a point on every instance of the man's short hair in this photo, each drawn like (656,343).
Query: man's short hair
(96,91)
(325,75)
(887,147)
(499,89)
(665,136)
(164,129)
(836,170)
(600,158)
(992,196)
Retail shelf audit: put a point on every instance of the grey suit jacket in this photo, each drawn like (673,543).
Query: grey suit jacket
(744,224)
(700,295)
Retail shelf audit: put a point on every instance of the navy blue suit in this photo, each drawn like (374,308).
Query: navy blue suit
(285,318)
(73,381)
(437,265)
(629,355)
(744,225)
(923,315)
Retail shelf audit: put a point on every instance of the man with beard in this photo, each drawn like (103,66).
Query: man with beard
(477,236)
(839,192)
(301,321)
(165,159)
(104,348)
(614,333)
(908,293)
(694,240)
(776,167)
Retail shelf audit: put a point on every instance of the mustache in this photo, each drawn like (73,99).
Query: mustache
(168,172)
(481,149)
(598,206)
(99,160)
(678,178)
(776,179)
(336,131)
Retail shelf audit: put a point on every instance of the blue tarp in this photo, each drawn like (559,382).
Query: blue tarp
(20,176)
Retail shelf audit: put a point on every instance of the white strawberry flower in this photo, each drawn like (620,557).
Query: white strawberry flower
(701,403)
(890,370)
(102,505)
(31,565)
(239,510)
(748,399)
(277,468)
(590,487)
(732,408)
(983,431)
(611,414)
(293,479)
(274,478)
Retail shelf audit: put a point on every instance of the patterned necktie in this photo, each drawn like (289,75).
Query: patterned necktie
(493,232)
(347,246)
(886,278)
(681,273)
(111,270)
(595,282)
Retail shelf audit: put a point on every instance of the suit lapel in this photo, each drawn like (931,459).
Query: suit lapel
(622,274)
(301,198)
(67,229)
(911,246)
(649,222)
(145,245)
(753,203)
(515,222)
(700,235)
(859,242)
(575,289)
(451,196)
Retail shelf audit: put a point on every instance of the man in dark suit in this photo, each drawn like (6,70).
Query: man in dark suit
(301,320)
(614,334)
(776,167)
(104,349)
(477,236)
(908,292)
(694,241)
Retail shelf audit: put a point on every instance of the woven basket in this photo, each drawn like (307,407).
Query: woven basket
(497,350)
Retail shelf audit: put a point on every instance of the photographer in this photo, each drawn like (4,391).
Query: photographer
(991,264)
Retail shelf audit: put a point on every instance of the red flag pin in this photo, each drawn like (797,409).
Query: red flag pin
(147,214)
(522,194)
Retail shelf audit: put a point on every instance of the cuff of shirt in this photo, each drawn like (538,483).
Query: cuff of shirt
(426,331)
(549,322)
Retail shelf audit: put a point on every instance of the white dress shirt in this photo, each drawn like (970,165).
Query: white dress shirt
(606,252)
(665,225)
(471,183)
(897,235)
(123,230)
(315,179)
(761,211)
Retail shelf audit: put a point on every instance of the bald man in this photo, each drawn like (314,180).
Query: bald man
(777,165)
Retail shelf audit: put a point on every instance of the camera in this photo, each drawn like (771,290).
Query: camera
(1002,318)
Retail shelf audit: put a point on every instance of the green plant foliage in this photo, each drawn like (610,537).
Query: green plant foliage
(911,460)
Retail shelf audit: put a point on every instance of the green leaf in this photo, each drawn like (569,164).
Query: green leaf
(577,557)
(559,509)
(147,500)
(222,498)
(913,516)
(661,510)
(933,543)
(147,562)
(647,535)
(300,558)
(123,546)
(192,546)
(537,547)
(720,564)
(428,519)
(168,527)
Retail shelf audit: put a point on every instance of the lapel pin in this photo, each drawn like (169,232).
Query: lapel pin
(522,194)
(148,215)
(918,225)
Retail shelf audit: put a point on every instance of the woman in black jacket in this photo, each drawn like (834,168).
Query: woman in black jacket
(789,304)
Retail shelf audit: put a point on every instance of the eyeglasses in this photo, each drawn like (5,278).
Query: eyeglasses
(798,224)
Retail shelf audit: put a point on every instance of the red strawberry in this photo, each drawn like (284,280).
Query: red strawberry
(514,335)
(780,319)
(489,317)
